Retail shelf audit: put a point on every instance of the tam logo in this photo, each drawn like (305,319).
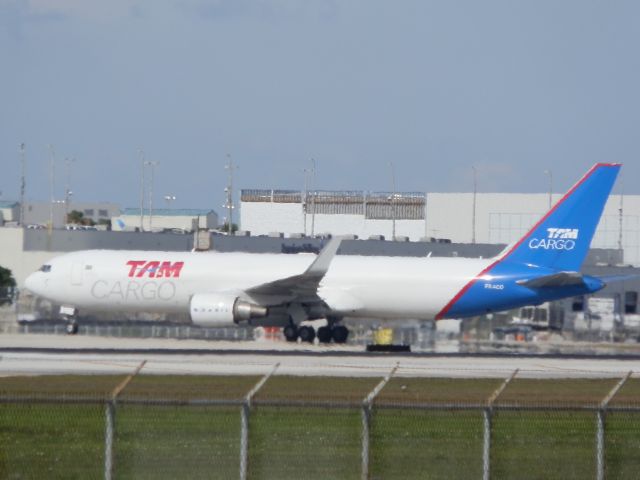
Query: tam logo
(154,269)
(571,233)
(557,239)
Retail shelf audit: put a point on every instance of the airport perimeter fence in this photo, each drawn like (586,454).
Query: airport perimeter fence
(137,432)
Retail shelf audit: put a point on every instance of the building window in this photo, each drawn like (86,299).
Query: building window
(630,302)
(578,304)
(88,212)
(103,213)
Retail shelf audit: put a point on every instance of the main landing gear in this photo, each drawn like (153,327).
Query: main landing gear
(337,333)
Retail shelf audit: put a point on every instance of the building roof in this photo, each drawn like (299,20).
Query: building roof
(8,204)
(169,212)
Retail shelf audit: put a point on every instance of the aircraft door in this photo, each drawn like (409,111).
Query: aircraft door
(76,273)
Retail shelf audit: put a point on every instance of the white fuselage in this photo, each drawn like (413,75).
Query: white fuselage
(383,287)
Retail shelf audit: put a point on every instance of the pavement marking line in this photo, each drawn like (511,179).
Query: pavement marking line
(113,363)
(29,363)
(581,370)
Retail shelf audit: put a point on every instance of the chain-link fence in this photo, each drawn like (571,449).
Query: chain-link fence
(148,426)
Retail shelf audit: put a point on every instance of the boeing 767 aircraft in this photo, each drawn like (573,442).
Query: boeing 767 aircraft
(229,288)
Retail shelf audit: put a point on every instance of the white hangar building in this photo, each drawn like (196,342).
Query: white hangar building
(185,219)
(458,217)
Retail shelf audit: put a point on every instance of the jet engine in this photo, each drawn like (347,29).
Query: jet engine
(221,309)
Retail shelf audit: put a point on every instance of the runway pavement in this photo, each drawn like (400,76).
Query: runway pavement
(44,355)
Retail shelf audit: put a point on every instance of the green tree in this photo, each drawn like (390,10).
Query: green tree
(75,217)
(6,278)
(225,227)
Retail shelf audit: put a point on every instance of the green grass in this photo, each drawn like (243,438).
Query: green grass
(47,386)
(622,445)
(188,387)
(565,392)
(310,443)
(177,442)
(426,444)
(628,395)
(51,441)
(316,390)
(438,390)
(307,438)
(543,445)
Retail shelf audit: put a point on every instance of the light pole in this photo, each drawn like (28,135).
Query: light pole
(475,194)
(52,166)
(151,164)
(22,183)
(620,218)
(548,172)
(141,152)
(229,191)
(393,201)
(313,197)
(304,199)
(67,188)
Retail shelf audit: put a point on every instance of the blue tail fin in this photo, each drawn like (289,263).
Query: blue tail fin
(561,239)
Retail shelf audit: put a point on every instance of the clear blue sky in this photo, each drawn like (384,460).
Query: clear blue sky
(511,87)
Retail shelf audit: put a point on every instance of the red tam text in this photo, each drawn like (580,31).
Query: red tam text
(154,269)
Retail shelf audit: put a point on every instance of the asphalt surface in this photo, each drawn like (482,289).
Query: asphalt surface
(46,355)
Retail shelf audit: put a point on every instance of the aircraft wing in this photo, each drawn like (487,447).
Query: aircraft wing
(306,284)
(560,279)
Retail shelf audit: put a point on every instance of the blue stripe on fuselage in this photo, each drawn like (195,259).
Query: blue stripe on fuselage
(497,290)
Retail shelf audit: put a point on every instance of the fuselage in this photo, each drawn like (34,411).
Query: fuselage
(359,286)
(216,288)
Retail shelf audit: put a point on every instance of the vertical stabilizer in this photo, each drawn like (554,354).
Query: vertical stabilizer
(561,239)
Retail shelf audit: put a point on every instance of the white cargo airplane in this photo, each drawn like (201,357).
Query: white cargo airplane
(279,289)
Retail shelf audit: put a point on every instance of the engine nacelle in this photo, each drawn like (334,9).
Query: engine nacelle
(221,309)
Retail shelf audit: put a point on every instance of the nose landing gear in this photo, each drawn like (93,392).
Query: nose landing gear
(72,326)
(70,315)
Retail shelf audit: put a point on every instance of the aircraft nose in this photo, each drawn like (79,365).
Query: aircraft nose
(34,284)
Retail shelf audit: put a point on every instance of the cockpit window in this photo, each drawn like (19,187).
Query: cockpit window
(45,268)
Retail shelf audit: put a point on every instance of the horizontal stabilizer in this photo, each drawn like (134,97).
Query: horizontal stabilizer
(618,278)
(560,279)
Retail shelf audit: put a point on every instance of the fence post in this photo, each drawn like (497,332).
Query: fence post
(486,444)
(600,427)
(110,414)
(366,420)
(244,423)
(600,444)
(487,414)
(244,439)
(366,426)
(110,422)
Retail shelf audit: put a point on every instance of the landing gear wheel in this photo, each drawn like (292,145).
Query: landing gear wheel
(291,333)
(340,334)
(307,334)
(324,334)
(72,327)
